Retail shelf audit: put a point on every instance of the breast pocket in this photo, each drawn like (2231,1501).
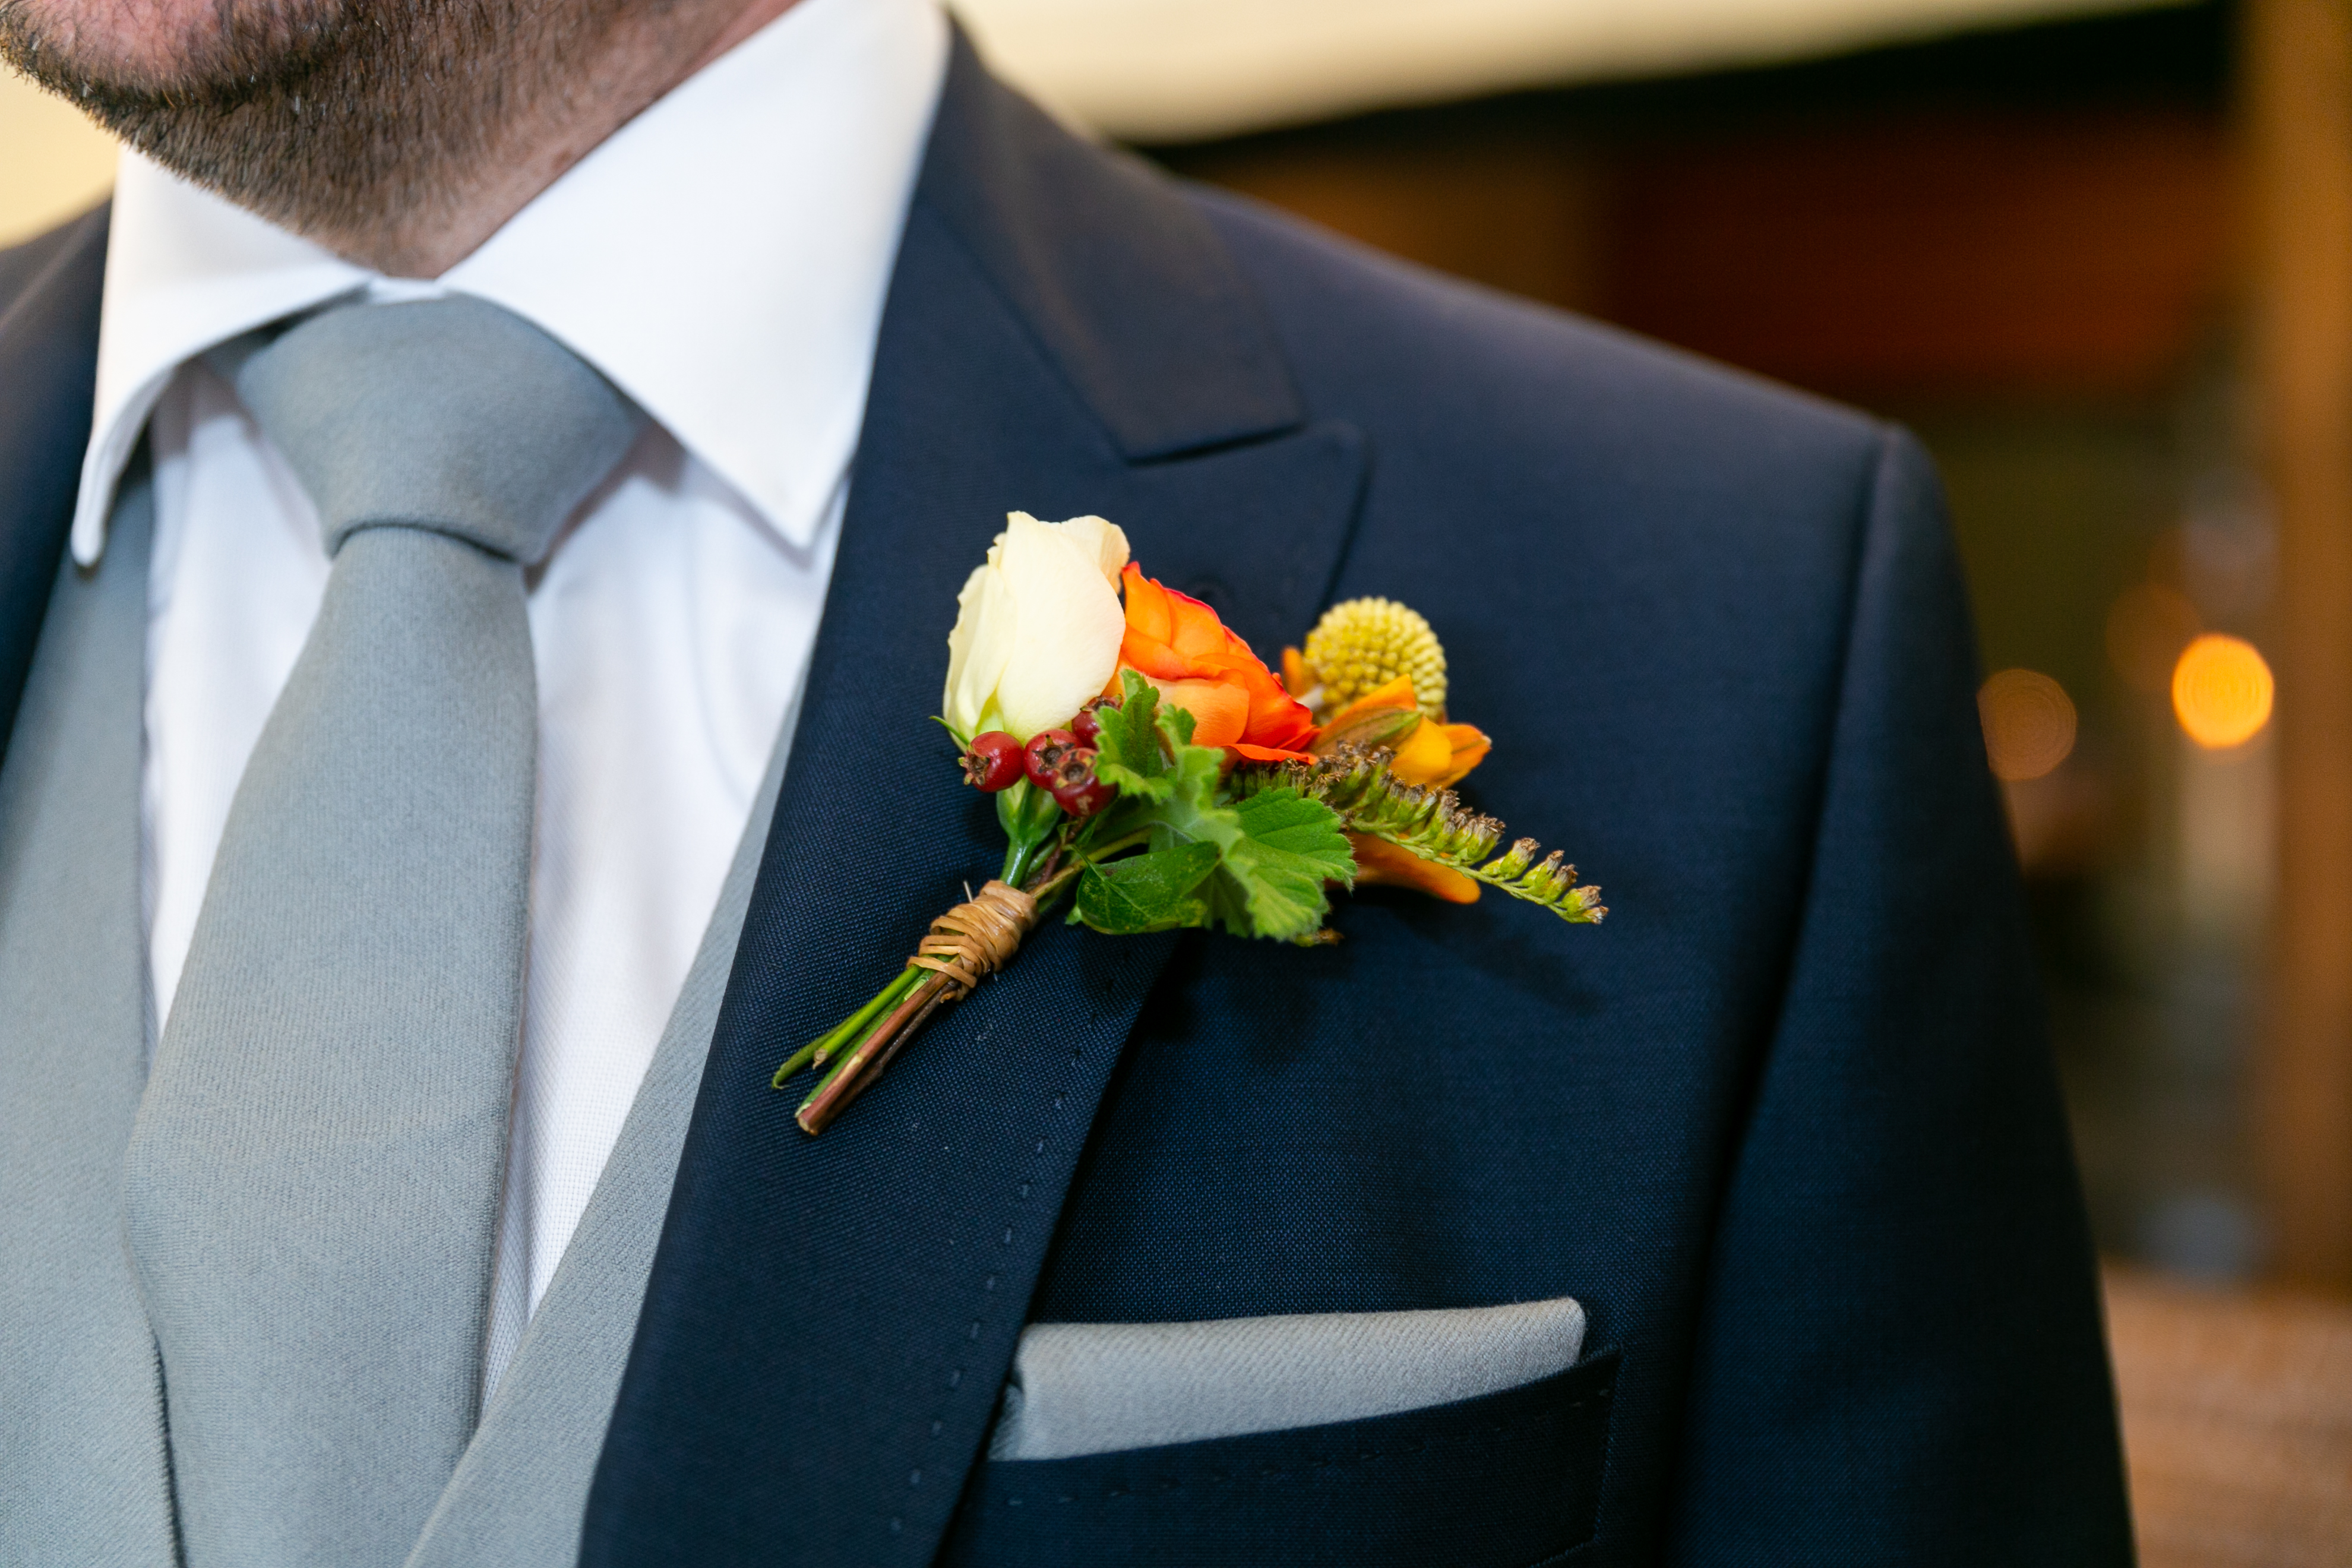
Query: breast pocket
(1507,1478)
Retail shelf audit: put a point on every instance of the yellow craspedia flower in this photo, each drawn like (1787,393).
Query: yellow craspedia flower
(1364,644)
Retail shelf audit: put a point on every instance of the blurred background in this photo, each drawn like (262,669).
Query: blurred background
(2098,254)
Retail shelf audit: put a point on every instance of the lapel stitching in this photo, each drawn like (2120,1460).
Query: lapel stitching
(1048,1164)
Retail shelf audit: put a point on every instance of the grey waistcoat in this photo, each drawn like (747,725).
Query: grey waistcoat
(84,1474)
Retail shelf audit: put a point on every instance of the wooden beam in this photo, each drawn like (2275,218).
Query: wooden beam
(2299,71)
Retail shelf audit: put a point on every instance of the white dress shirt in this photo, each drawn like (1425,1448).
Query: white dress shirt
(722,259)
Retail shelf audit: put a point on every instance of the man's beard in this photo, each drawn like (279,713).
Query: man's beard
(331,117)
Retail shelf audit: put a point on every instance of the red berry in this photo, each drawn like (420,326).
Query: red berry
(1075,788)
(993,762)
(1086,726)
(1043,759)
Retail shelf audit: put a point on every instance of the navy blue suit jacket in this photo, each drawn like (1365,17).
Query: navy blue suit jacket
(1786,1125)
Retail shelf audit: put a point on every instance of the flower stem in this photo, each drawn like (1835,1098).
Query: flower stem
(936,998)
(1030,820)
(907,1004)
(821,1049)
(1017,861)
(826,1049)
(1051,878)
(840,1085)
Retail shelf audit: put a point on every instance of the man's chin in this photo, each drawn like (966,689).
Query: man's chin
(365,124)
(157,51)
(322,115)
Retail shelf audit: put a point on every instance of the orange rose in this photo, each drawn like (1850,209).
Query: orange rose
(1178,643)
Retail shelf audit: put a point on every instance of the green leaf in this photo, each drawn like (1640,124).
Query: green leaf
(1287,830)
(1273,874)
(1128,754)
(1271,853)
(1189,809)
(1147,892)
(1274,850)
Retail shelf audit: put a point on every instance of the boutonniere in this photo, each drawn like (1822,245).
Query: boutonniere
(1151,772)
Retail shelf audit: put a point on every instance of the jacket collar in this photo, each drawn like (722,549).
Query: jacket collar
(828,1322)
(1126,289)
(48,360)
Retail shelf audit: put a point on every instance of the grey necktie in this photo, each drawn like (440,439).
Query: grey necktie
(313,1183)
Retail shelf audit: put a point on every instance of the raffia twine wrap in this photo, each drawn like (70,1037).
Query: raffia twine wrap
(976,938)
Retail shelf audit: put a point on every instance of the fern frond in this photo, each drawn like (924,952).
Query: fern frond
(1434,825)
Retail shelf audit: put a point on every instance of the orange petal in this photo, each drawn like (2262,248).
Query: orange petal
(1276,718)
(1147,605)
(1196,632)
(1297,679)
(1152,656)
(1370,727)
(1397,693)
(1267,754)
(1221,663)
(1379,862)
(1220,712)
(1470,748)
(1425,755)
(1292,739)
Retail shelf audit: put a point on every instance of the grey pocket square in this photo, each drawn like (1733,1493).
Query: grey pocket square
(1098,1388)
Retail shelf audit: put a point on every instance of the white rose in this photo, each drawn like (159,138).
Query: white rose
(1037,626)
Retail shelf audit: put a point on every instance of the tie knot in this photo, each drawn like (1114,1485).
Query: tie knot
(448,415)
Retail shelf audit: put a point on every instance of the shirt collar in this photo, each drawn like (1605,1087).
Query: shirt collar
(723,258)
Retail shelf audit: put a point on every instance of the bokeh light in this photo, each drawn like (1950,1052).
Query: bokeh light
(2222,691)
(2028,723)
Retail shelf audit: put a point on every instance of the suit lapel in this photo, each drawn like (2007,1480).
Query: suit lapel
(829,1320)
(48,368)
